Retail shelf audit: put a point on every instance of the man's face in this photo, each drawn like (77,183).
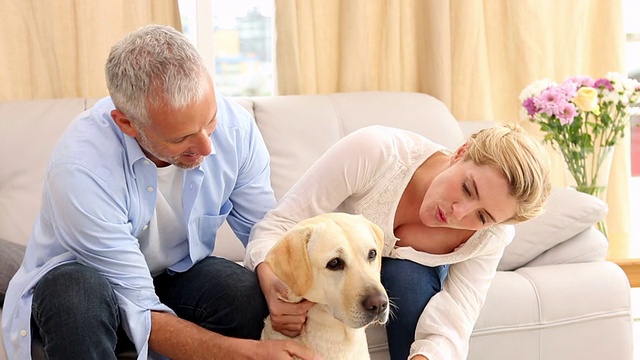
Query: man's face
(180,137)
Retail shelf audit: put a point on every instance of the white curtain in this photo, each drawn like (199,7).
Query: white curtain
(57,49)
(474,55)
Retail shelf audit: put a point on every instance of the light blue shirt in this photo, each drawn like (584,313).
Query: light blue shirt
(100,193)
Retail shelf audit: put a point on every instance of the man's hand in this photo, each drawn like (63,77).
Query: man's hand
(181,339)
(285,350)
(286,318)
(419,357)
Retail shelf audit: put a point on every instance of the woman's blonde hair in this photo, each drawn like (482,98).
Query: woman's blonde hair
(521,158)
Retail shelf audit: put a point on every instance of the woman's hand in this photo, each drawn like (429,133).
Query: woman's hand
(419,357)
(286,318)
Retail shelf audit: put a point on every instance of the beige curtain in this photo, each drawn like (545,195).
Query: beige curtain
(474,55)
(58,48)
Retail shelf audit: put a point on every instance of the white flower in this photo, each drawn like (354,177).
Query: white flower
(610,96)
(535,88)
(630,84)
(615,77)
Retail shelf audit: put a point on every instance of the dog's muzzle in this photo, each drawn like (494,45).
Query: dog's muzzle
(377,307)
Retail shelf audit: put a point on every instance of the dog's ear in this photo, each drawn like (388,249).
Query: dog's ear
(379,235)
(289,260)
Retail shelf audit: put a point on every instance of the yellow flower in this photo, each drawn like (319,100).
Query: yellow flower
(587,100)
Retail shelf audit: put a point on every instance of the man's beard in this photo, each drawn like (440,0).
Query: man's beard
(146,146)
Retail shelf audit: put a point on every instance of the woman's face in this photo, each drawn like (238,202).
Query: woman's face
(467,196)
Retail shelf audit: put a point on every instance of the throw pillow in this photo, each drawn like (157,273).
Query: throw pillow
(567,213)
(11,255)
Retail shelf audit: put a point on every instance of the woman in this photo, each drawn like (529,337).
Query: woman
(445,217)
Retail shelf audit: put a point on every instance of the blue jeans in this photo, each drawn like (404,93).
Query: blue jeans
(76,316)
(410,286)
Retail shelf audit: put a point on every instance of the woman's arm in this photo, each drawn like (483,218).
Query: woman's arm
(348,167)
(445,326)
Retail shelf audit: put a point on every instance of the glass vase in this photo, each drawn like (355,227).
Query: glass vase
(589,173)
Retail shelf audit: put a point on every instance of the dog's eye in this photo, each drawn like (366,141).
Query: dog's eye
(372,254)
(335,264)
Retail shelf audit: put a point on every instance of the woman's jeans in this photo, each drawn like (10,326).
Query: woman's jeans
(410,286)
(75,313)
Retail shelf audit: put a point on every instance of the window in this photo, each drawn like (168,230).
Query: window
(631,18)
(235,38)
(632,29)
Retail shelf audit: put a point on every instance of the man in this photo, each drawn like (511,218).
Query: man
(134,194)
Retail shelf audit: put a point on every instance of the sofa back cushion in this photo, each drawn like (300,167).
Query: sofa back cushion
(297,130)
(29,131)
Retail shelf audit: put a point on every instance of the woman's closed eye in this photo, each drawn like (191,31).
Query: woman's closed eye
(482,218)
(466,189)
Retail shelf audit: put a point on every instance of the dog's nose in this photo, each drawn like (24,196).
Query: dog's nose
(375,304)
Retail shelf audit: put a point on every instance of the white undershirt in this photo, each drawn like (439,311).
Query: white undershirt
(163,242)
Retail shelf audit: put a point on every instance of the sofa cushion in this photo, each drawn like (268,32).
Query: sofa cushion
(567,213)
(11,255)
(298,129)
(589,245)
(38,124)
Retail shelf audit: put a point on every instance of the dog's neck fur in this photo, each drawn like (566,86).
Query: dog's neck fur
(348,344)
(322,323)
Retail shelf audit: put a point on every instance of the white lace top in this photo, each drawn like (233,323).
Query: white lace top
(366,173)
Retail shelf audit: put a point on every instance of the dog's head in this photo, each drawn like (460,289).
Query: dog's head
(334,259)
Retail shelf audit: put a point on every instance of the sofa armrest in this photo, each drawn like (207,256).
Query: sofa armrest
(552,287)
(568,310)
(589,245)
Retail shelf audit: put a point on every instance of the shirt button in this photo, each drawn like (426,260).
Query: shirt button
(150,188)
(23,333)
(145,227)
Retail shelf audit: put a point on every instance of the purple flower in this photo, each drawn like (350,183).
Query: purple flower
(568,89)
(549,101)
(566,114)
(603,83)
(530,106)
(581,80)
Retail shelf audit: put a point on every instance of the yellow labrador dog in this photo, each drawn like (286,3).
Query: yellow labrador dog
(334,260)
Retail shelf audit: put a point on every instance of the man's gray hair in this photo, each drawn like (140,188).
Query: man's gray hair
(154,65)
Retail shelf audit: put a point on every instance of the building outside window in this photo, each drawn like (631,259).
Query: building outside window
(236,39)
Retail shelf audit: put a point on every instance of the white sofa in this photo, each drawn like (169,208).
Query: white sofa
(554,296)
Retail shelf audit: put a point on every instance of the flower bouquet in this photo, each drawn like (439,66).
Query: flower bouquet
(583,118)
